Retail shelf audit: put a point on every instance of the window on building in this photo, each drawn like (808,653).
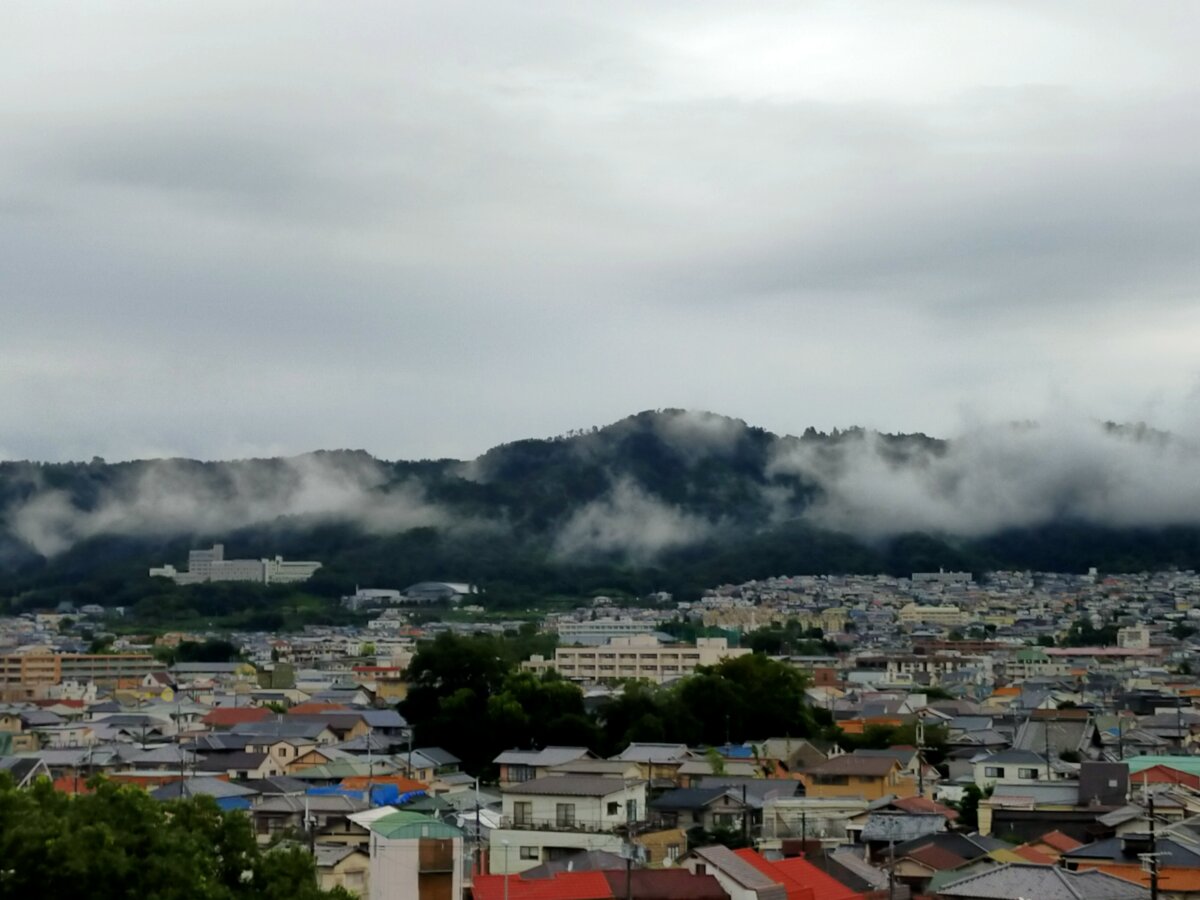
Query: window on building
(523,812)
(1027,773)
(564,815)
(520,773)
(672,852)
(993,771)
(614,808)
(530,853)
(724,820)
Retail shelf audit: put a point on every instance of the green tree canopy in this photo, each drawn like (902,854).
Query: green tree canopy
(119,842)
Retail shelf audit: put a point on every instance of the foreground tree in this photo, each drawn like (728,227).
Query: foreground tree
(118,842)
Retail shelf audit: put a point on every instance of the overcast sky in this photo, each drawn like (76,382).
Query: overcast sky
(422,229)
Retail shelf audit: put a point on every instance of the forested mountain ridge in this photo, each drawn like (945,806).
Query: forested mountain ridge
(670,499)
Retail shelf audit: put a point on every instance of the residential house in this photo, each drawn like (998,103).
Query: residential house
(427,763)
(1011,767)
(658,763)
(240,766)
(856,775)
(557,814)
(327,815)
(341,866)
(519,766)
(740,879)
(415,857)
(710,809)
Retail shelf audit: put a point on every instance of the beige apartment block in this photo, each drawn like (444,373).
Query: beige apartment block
(641,656)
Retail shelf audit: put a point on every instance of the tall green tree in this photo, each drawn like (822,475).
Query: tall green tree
(118,843)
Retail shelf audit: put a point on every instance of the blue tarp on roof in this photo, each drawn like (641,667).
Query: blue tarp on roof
(381,794)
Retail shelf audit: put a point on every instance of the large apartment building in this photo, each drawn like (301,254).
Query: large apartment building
(641,656)
(211,565)
(23,675)
(947,616)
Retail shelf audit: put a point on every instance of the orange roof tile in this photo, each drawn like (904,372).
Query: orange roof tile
(1059,841)
(404,785)
(224,716)
(1034,856)
(801,873)
(308,709)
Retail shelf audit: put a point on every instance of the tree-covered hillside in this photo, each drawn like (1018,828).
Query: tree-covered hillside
(668,500)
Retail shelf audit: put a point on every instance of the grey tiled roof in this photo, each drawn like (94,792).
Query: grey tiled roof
(570,786)
(1016,880)
(547,756)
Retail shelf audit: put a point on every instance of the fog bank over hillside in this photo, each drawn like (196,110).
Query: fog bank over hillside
(644,486)
(1000,477)
(184,497)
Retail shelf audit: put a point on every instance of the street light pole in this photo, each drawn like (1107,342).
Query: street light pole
(506,875)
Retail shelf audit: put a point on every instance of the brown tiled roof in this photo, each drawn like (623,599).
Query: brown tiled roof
(924,805)
(937,858)
(853,764)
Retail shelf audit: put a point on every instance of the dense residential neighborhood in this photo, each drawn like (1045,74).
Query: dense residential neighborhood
(1017,735)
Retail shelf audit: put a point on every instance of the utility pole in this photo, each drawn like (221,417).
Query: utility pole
(1046,741)
(1153,848)
(1179,721)
(745,818)
(920,756)
(892,867)
(370,765)
(478,833)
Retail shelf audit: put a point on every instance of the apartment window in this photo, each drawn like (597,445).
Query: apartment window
(993,771)
(724,820)
(564,815)
(672,852)
(520,773)
(1027,773)
(523,812)
(614,808)
(530,853)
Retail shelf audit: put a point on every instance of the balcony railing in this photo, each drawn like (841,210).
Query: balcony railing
(528,823)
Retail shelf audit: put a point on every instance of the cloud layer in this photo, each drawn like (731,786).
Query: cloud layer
(179,497)
(999,477)
(233,230)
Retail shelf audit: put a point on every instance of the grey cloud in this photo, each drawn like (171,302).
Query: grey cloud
(183,497)
(629,522)
(502,220)
(1000,476)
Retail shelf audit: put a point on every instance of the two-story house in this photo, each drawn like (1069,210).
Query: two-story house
(855,775)
(551,817)
(519,766)
(1011,767)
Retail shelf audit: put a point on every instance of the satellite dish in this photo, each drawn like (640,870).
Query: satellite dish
(167,695)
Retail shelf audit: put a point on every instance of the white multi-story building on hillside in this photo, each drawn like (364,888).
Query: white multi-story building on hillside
(211,565)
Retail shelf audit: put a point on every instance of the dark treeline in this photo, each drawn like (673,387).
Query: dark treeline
(516,573)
